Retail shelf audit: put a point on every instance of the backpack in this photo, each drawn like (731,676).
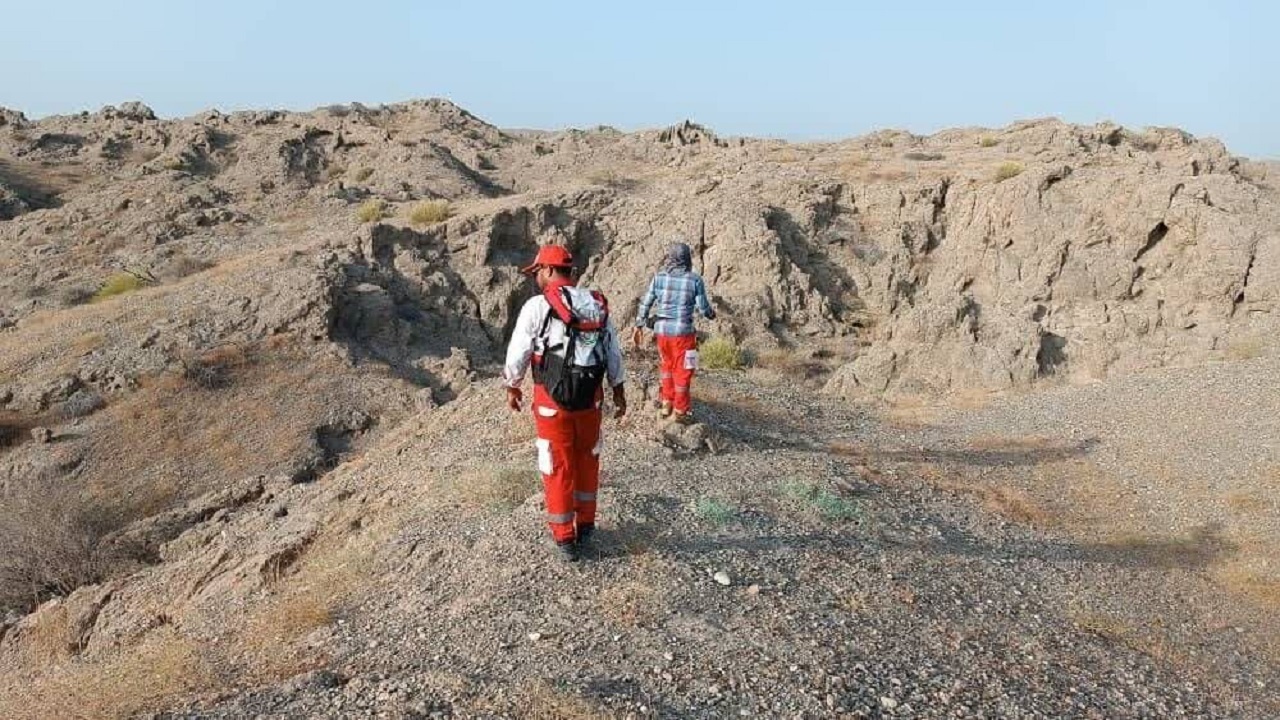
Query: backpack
(573,370)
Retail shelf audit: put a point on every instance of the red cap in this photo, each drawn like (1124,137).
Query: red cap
(550,256)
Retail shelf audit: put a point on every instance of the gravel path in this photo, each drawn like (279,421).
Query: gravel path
(814,568)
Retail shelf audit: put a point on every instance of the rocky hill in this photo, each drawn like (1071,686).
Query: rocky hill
(249,430)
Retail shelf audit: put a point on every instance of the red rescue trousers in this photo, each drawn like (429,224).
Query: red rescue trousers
(569,460)
(679,359)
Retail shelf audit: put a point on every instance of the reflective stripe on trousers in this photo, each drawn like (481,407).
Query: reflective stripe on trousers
(568,459)
(677,377)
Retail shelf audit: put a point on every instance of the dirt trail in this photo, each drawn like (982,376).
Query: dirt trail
(874,571)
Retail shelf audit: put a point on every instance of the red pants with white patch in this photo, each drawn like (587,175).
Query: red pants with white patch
(679,360)
(569,460)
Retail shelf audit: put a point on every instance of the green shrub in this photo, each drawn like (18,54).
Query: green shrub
(1008,170)
(714,511)
(924,156)
(430,212)
(118,284)
(833,506)
(372,211)
(720,353)
(829,504)
(988,142)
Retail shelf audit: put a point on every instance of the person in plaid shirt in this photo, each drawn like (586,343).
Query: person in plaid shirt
(673,295)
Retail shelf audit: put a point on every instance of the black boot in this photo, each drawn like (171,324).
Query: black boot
(584,534)
(568,550)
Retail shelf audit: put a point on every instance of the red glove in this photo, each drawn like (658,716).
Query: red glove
(515,396)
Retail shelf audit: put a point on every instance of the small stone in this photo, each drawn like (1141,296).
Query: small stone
(722,577)
(41,434)
(888,703)
(753,590)
(535,636)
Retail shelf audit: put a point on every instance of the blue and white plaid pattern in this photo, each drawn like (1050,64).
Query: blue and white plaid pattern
(675,293)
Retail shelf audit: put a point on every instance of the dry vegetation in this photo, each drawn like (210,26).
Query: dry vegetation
(273,402)
(168,662)
(632,602)
(542,701)
(373,211)
(493,488)
(430,212)
(164,665)
(720,353)
(1009,502)
(118,284)
(1008,170)
(52,539)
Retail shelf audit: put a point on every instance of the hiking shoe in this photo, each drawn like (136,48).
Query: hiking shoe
(685,418)
(584,534)
(664,411)
(567,550)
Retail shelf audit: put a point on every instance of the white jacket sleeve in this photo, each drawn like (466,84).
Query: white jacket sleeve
(520,349)
(617,373)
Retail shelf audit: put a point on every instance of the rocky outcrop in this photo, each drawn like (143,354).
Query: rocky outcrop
(991,258)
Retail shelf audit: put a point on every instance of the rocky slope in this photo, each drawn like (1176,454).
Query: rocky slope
(249,434)
(990,258)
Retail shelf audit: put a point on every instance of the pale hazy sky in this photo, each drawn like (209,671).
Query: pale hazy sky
(797,69)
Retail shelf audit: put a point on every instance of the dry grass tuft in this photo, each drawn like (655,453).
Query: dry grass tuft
(720,353)
(913,411)
(1112,628)
(1251,581)
(1100,624)
(793,364)
(611,178)
(183,265)
(631,603)
(887,176)
(542,701)
(51,540)
(1008,502)
(373,211)
(214,369)
(502,489)
(50,640)
(1247,503)
(163,667)
(430,212)
(1008,170)
(87,343)
(118,284)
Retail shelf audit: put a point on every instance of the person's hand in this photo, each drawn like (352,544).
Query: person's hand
(619,402)
(515,397)
(637,336)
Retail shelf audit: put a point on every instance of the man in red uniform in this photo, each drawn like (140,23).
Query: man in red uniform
(675,292)
(566,334)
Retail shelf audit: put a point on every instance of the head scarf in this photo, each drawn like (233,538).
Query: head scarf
(679,257)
